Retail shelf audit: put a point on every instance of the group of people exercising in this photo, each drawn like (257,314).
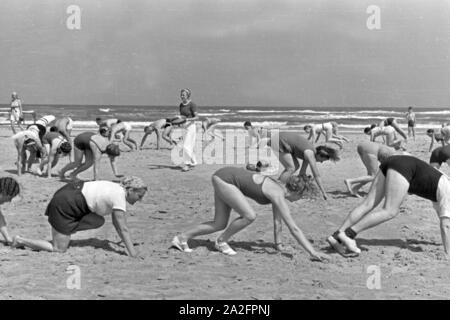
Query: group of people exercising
(83,205)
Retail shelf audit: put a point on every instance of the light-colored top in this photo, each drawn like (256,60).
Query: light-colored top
(109,122)
(45,121)
(16,103)
(102,197)
(377,131)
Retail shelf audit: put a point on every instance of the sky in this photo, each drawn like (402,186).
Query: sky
(228,52)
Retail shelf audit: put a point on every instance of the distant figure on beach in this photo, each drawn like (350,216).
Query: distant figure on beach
(371,154)
(398,176)
(27,140)
(253,132)
(56,147)
(82,206)
(388,132)
(394,124)
(411,119)
(91,146)
(188,109)
(209,126)
(231,188)
(439,156)
(291,146)
(328,129)
(16,112)
(438,136)
(163,129)
(9,189)
(121,131)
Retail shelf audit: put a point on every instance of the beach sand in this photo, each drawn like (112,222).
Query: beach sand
(407,250)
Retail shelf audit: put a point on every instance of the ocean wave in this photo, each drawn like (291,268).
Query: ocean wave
(215,114)
(433,112)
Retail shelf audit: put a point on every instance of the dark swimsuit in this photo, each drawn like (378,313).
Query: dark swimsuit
(423,179)
(243,180)
(82,141)
(291,142)
(440,155)
(388,121)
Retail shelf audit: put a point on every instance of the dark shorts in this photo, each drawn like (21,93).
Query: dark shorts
(68,211)
(388,121)
(411,123)
(83,140)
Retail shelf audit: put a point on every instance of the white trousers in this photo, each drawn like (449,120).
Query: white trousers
(189,144)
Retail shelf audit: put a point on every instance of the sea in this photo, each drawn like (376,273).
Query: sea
(350,119)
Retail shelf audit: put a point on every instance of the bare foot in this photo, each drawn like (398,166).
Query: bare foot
(350,189)
(16,242)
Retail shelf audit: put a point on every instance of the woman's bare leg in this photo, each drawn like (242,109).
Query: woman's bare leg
(60,242)
(78,158)
(88,162)
(234,198)
(290,164)
(396,189)
(221,217)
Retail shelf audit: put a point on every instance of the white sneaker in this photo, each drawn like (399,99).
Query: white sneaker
(349,243)
(224,248)
(182,246)
(336,245)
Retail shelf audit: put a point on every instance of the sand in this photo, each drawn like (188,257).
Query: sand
(407,250)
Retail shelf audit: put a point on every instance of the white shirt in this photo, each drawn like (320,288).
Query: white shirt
(102,197)
(45,121)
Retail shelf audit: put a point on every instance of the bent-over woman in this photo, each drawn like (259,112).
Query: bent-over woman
(291,146)
(232,187)
(398,176)
(91,146)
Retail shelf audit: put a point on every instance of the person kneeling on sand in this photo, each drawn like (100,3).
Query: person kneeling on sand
(231,187)
(82,206)
(9,189)
(398,176)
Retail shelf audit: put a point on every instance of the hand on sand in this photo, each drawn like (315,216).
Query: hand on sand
(320,257)
(139,256)
(325,196)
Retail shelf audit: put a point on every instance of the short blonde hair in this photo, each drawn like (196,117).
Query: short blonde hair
(133,182)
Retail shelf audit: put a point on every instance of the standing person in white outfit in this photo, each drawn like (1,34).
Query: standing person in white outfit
(16,112)
(189,110)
